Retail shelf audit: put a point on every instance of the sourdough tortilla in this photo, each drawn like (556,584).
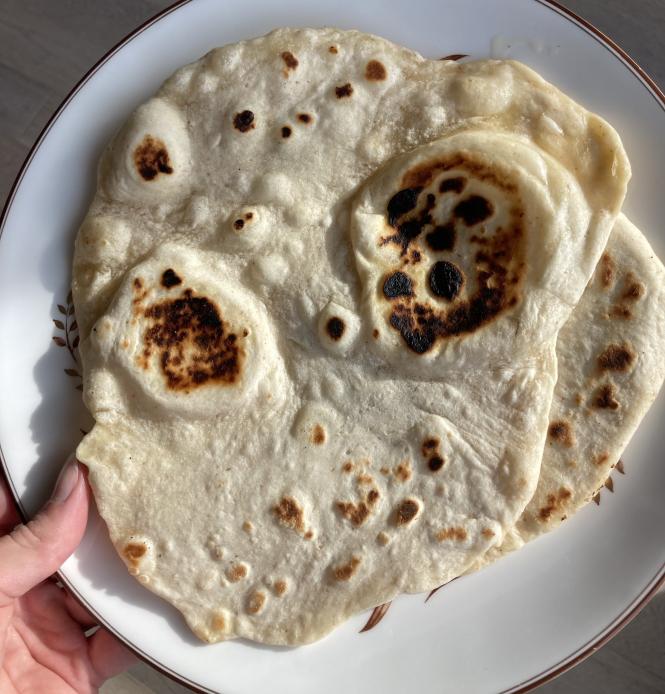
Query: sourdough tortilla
(319,290)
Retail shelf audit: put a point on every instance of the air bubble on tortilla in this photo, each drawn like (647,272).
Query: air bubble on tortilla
(206,82)
(338,328)
(206,580)
(482,95)
(150,158)
(269,270)
(550,124)
(311,418)
(137,552)
(246,228)
(104,240)
(197,211)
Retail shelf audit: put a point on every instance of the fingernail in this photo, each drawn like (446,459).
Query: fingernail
(66,482)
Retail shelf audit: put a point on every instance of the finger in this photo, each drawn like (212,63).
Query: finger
(9,517)
(108,656)
(78,613)
(32,552)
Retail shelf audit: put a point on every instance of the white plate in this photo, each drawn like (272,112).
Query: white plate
(510,626)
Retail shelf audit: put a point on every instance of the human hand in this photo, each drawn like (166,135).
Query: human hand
(43,647)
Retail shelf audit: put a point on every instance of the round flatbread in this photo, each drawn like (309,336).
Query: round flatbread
(610,372)
(319,290)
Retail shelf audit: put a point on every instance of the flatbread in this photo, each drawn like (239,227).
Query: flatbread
(610,372)
(307,397)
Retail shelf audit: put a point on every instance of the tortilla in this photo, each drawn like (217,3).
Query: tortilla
(319,290)
(610,372)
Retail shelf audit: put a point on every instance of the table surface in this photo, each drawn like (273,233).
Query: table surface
(46,46)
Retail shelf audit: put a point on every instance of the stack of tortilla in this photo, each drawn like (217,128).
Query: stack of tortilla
(353,323)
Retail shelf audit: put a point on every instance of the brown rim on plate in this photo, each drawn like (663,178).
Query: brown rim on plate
(527,685)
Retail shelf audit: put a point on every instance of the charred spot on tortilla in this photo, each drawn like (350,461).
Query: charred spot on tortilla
(195,346)
(397,284)
(344,91)
(445,280)
(442,238)
(435,463)
(473,210)
(402,202)
(457,184)
(499,262)
(244,121)
(170,279)
(290,60)
(151,158)
(335,328)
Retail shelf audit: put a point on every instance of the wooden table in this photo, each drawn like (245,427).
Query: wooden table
(45,47)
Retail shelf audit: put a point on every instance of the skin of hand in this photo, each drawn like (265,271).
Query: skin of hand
(43,646)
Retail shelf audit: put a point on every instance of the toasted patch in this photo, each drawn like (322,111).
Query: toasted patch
(289,514)
(290,60)
(375,71)
(237,572)
(256,601)
(555,502)
(605,398)
(606,271)
(403,471)
(346,571)
(406,511)
(318,435)
(280,587)
(601,458)
(561,431)
(617,357)
(357,513)
(455,533)
(133,551)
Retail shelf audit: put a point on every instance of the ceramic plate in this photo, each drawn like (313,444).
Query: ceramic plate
(506,628)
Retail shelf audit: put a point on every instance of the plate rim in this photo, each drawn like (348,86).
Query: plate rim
(563,665)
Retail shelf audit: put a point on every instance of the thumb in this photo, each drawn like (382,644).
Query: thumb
(32,552)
